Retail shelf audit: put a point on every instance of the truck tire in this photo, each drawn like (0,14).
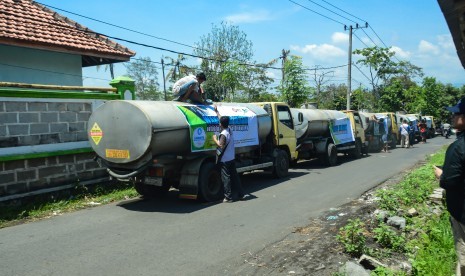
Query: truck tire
(210,184)
(281,164)
(330,158)
(150,191)
(356,153)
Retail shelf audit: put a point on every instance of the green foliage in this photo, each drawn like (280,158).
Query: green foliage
(384,271)
(436,253)
(379,63)
(352,237)
(294,88)
(387,237)
(79,198)
(144,73)
(427,240)
(227,50)
(414,189)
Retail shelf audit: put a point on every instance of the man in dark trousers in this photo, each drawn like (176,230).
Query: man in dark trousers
(452,179)
(229,175)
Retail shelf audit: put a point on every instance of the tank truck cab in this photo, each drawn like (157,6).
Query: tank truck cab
(361,143)
(372,131)
(394,139)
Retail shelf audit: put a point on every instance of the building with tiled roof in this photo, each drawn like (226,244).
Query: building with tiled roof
(38,45)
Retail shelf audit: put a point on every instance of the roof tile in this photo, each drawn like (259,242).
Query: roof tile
(29,22)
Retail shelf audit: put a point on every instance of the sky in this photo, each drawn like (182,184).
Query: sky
(312,29)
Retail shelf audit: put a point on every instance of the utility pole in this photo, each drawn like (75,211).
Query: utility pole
(164,81)
(349,77)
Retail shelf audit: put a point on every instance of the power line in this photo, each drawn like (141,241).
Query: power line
(327,17)
(360,40)
(343,11)
(374,43)
(331,11)
(362,72)
(117,26)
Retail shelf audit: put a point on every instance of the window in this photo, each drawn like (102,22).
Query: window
(284,116)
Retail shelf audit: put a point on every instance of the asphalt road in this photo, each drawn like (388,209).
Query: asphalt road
(179,237)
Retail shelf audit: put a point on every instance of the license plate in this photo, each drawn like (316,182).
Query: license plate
(155,181)
(116,153)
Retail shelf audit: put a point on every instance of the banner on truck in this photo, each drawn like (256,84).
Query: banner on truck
(341,131)
(204,123)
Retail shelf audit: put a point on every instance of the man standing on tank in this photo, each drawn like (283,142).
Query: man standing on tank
(229,175)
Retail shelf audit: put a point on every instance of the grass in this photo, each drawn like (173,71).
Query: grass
(426,242)
(51,205)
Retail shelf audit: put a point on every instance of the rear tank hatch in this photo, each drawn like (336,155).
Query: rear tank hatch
(119,132)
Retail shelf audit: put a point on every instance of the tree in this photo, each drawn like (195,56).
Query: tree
(379,63)
(178,69)
(294,88)
(144,73)
(334,97)
(320,80)
(226,51)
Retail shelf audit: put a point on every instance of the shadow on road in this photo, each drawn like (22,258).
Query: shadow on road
(171,203)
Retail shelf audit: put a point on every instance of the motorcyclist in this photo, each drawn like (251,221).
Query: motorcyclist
(446,130)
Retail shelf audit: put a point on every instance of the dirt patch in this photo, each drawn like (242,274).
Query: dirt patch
(312,249)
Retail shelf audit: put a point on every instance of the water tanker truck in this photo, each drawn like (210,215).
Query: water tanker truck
(324,133)
(164,144)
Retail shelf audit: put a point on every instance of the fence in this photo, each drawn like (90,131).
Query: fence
(44,146)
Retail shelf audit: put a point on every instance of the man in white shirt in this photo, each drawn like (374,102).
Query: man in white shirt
(229,175)
(404,132)
(189,88)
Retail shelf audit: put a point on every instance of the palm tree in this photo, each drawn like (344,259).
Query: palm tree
(178,69)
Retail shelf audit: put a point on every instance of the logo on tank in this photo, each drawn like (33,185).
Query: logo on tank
(199,137)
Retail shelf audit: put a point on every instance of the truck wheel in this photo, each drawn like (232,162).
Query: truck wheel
(393,141)
(330,158)
(210,184)
(281,164)
(150,191)
(357,151)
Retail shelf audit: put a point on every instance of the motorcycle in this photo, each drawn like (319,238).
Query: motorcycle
(446,132)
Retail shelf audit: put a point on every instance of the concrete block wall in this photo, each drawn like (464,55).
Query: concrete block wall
(37,123)
(33,175)
(41,125)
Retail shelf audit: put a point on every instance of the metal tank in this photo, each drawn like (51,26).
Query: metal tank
(150,128)
(315,122)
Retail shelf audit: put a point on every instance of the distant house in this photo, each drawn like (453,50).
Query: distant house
(40,46)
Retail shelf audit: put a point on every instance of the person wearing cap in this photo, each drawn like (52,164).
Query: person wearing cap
(188,88)
(452,179)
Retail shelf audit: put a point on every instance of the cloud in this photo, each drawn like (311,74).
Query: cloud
(446,42)
(400,53)
(249,17)
(426,47)
(339,38)
(320,52)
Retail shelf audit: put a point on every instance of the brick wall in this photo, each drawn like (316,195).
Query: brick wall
(28,175)
(38,123)
(40,126)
